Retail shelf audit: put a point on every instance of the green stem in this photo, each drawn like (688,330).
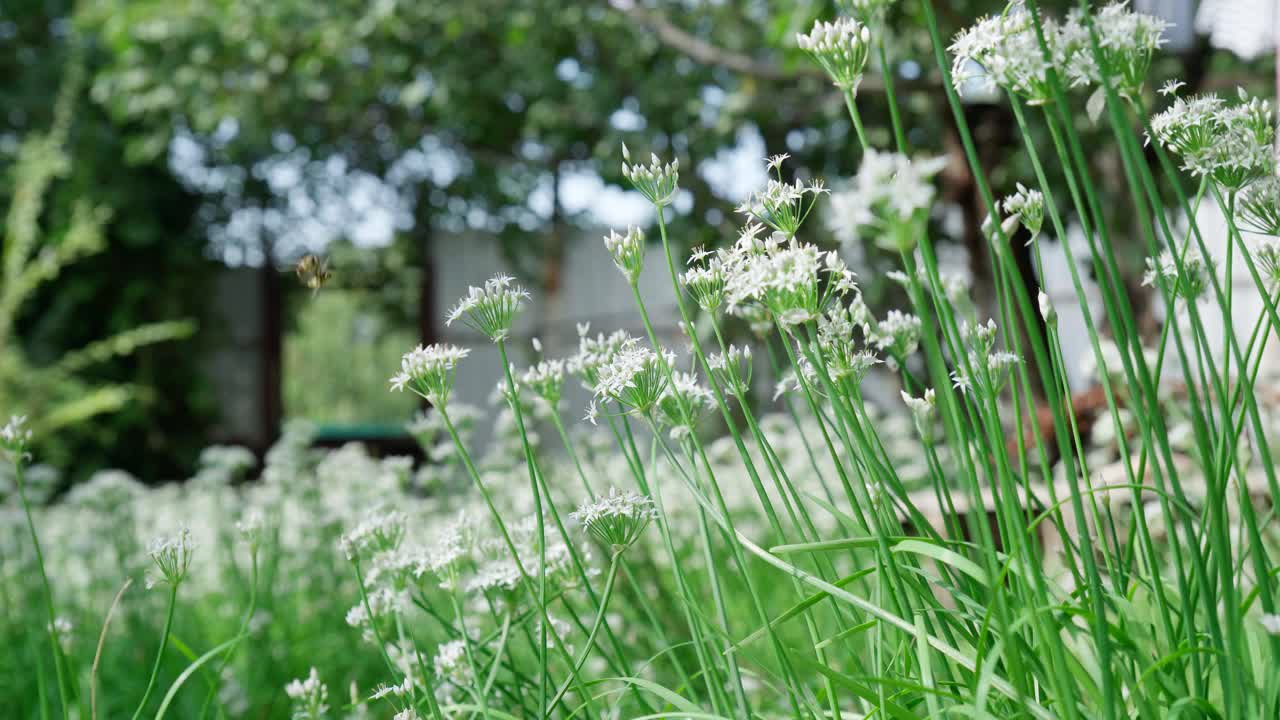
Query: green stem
(164,643)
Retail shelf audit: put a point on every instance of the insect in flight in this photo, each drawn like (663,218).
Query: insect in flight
(313,271)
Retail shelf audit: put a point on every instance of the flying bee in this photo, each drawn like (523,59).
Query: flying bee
(313,272)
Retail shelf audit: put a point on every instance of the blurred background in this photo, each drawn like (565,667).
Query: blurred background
(167,163)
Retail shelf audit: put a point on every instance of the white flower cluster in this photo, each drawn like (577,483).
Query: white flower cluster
(627,251)
(841,48)
(845,360)
(1189,284)
(429,371)
(987,369)
(887,202)
(491,309)
(705,283)
(546,380)
(1232,144)
(15,435)
(451,666)
(923,412)
(1266,251)
(1258,206)
(898,334)
(310,697)
(682,403)
(634,376)
(655,181)
(594,352)
(172,557)
(790,280)
(782,206)
(1026,207)
(1127,41)
(380,530)
(732,369)
(1008,51)
(616,519)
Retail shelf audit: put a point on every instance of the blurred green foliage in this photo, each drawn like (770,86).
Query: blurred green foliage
(148,266)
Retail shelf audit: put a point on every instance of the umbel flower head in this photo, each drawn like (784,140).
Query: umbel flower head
(785,278)
(732,369)
(635,376)
(627,251)
(546,379)
(682,404)
(491,309)
(1127,40)
(616,519)
(310,697)
(655,181)
(1187,285)
(887,202)
(840,48)
(172,557)
(705,283)
(1027,206)
(1266,251)
(1007,51)
(14,436)
(595,352)
(1258,206)
(1232,144)
(429,371)
(781,206)
(923,411)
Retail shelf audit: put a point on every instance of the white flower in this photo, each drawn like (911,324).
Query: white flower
(252,527)
(1047,311)
(627,251)
(1171,87)
(656,181)
(898,334)
(451,663)
(491,309)
(1189,285)
(172,557)
(1028,206)
(595,352)
(783,276)
(1230,143)
(309,696)
(634,376)
(1266,250)
(1127,41)
(886,202)
(15,435)
(400,690)
(546,379)
(1006,48)
(616,519)
(732,369)
(923,409)
(782,206)
(841,48)
(1258,206)
(429,371)
(682,402)
(380,530)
